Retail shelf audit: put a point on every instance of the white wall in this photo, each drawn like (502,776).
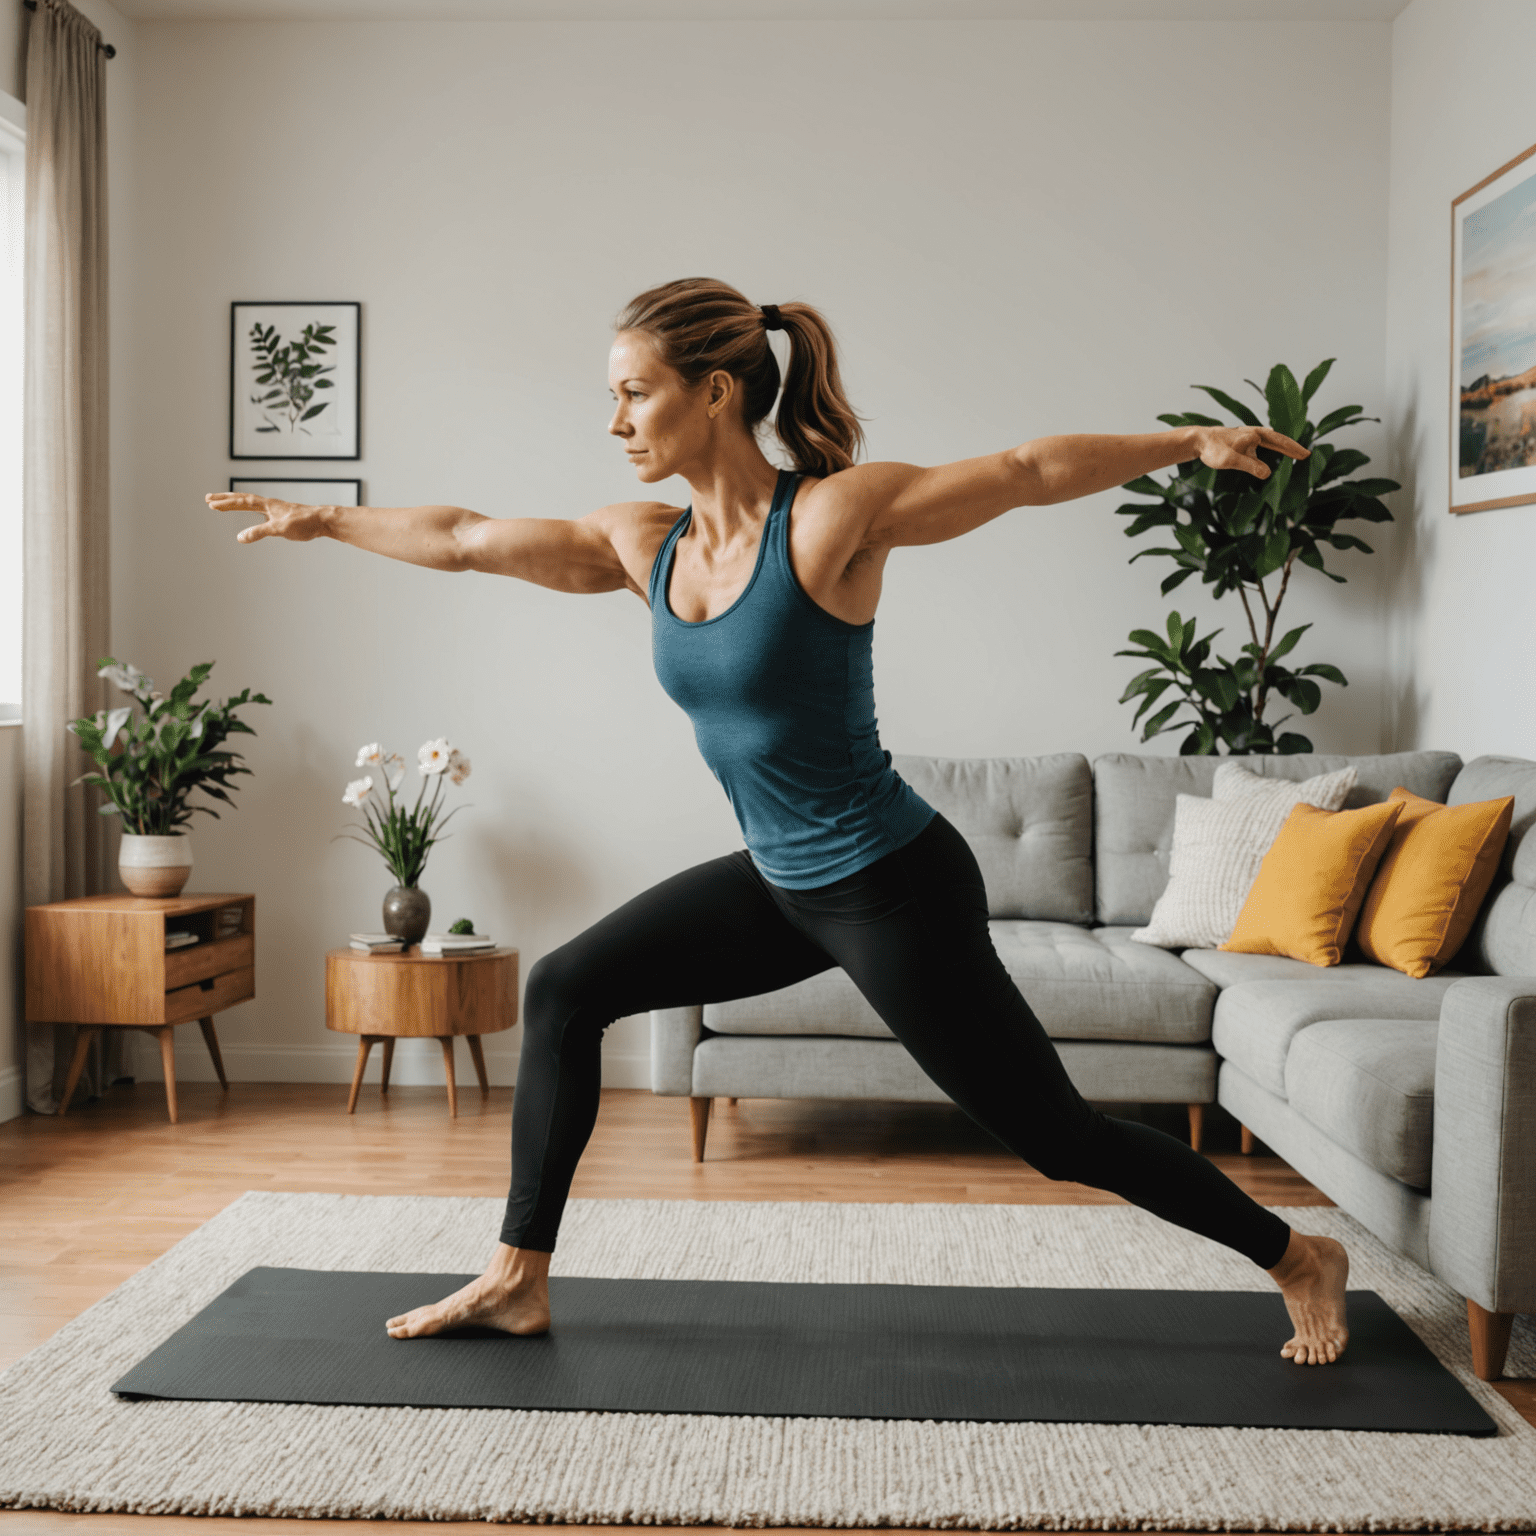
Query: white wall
(1461,633)
(10,922)
(1017,228)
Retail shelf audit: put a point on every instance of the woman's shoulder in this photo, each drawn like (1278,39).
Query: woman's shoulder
(636,530)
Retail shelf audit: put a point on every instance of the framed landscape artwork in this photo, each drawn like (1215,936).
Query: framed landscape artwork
(293,380)
(312,493)
(1493,340)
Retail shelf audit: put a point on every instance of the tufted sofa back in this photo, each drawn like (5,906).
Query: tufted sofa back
(1504,940)
(1029,821)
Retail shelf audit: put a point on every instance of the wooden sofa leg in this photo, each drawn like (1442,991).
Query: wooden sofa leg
(1247,1142)
(1196,1125)
(698,1113)
(1490,1340)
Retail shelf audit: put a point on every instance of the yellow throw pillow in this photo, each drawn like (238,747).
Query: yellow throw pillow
(1312,881)
(1431,881)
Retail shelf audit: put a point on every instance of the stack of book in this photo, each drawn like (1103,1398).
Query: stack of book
(455,943)
(176,938)
(376,943)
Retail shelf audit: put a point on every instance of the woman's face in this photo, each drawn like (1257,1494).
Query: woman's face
(663,423)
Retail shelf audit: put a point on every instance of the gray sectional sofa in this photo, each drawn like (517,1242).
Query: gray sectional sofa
(1411,1103)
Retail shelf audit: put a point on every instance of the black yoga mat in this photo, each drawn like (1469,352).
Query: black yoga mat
(823,1351)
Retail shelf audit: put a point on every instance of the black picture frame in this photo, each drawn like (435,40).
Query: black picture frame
(244,482)
(247,440)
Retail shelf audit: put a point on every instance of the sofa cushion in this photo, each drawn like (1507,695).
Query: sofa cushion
(1029,821)
(1256,1022)
(1134,799)
(1082,985)
(1227,968)
(1503,939)
(1369,1085)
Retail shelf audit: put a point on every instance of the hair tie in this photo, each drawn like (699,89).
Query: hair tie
(772,319)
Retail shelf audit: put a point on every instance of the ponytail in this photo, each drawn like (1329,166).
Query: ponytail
(699,326)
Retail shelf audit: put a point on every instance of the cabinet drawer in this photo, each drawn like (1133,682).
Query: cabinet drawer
(184,966)
(211,995)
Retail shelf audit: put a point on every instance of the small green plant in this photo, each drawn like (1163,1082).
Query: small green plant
(151,762)
(1237,533)
(292,372)
(464,925)
(404,837)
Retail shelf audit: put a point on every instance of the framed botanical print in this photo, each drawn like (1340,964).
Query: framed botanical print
(310,493)
(293,380)
(1493,340)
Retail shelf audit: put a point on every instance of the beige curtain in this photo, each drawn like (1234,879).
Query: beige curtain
(65,575)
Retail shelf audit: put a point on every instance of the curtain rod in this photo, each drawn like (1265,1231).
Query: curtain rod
(106,48)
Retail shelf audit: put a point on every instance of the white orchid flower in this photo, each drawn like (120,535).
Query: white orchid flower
(458,767)
(370,756)
(115,721)
(394,771)
(433,756)
(126,676)
(357,791)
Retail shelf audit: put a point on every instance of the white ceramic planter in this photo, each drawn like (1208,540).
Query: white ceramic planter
(155,866)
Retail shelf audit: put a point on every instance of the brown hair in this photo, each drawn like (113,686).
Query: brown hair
(699,325)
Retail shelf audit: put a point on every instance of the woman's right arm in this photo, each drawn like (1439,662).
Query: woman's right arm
(569,556)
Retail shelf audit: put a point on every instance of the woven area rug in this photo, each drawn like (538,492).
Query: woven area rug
(67,1443)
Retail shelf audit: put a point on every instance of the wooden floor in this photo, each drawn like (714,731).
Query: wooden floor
(88,1200)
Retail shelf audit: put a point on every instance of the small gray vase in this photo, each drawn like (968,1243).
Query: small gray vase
(407,912)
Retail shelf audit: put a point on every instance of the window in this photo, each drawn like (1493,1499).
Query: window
(12,203)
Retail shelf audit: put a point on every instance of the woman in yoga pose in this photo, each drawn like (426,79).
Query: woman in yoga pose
(763,596)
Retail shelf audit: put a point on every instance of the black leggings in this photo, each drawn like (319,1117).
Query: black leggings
(911,932)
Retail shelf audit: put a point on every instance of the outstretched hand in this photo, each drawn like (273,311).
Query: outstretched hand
(284,519)
(1237,448)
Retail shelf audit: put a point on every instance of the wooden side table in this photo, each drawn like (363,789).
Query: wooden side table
(100,962)
(384,998)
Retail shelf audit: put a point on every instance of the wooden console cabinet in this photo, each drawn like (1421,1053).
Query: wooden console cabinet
(100,962)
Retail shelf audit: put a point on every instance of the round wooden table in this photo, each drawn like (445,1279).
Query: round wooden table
(384,998)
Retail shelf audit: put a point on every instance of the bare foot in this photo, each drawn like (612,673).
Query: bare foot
(512,1295)
(1312,1277)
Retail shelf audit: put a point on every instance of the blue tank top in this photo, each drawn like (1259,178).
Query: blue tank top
(782,698)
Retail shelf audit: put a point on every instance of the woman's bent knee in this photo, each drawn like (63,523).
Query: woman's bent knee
(560,986)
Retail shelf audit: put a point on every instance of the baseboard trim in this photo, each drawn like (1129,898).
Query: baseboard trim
(417,1063)
(12,1099)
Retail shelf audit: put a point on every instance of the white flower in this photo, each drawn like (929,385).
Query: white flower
(458,766)
(126,676)
(115,721)
(369,756)
(357,791)
(433,756)
(394,770)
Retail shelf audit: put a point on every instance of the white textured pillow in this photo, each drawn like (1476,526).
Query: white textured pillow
(1218,845)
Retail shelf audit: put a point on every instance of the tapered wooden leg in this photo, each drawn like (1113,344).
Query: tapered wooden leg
(1247,1141)
(364,1045)
(83,1037)
(453,1087)
(389,1061)
(698,1113)
(1490,1340)
(478,1057)
(212,1042)
(1196,1124)
(167,1036)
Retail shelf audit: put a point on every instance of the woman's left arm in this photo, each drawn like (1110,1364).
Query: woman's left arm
(909,505)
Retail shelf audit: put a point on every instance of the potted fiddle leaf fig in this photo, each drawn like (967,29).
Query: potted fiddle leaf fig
(152,759)
(1246,536)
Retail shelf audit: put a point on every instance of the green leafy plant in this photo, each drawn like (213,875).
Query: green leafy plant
(1244,535)
(404,836)
(292,372)
(464,925)
(152,761)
